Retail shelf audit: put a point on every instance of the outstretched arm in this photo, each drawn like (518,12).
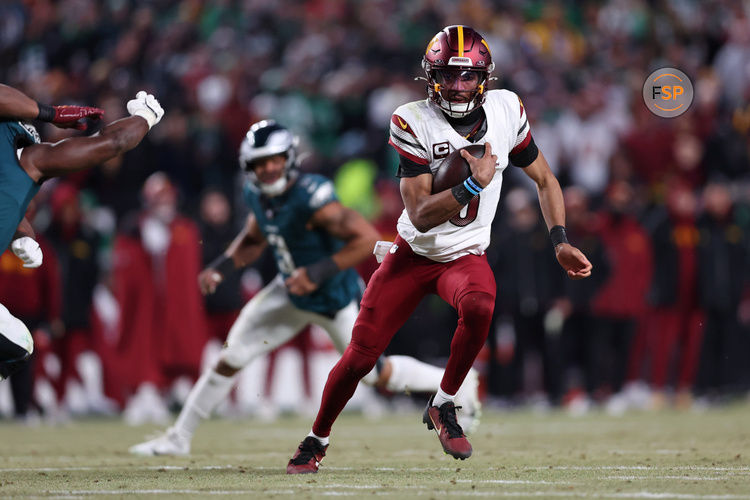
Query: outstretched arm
(553,208)
(345,224)
(244,250)
(46,160)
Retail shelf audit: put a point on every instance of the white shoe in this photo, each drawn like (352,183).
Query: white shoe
(170,443)
(467,398)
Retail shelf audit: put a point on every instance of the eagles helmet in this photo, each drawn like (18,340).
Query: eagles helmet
(457,53)
(268,138)
(16,344)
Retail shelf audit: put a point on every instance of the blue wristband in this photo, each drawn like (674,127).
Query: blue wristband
(472,185)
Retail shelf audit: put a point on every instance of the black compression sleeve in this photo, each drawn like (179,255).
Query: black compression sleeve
(409,168)
(525,157)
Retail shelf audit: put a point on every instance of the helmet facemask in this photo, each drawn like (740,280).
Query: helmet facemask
(442,82)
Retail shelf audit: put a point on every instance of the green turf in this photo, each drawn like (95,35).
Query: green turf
(516,455)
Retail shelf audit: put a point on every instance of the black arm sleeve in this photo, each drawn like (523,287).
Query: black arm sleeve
(525,157)
(409,168)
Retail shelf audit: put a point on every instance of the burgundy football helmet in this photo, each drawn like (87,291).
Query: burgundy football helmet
(457,59)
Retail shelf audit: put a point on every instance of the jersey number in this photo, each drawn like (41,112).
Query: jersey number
(468,213)
(283,255)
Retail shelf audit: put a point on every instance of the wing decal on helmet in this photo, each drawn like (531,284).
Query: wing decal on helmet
(488,47)
(432,42)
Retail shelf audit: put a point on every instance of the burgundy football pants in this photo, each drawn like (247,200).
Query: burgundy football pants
(394,291)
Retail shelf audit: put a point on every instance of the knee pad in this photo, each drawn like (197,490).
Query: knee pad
(476,306)
(359,360)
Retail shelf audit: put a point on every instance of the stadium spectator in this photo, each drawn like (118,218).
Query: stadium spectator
(76,246)
(675,317)
(162,328)
(571,314)
(216,232)
(523,263)
(722,279)
(619,305)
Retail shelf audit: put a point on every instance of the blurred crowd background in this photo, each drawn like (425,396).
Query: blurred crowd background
(660,206)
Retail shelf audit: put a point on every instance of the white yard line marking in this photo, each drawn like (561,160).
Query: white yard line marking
(683,478)
(113,466)
(664,468)
(689,496)
(164,492)
(511,481)
(419,491)
(639,467)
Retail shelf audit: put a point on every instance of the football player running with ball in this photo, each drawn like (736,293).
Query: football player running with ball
(441,249)
(26,162)
(316,242)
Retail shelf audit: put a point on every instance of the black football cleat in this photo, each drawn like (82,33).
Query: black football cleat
(307,457)
(451,435)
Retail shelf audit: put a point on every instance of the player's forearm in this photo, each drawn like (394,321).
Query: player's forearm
(245,248)
(355,251)
(433,210)
(551,202)
(121,136)
(246,254)
(358,234)
(16,104)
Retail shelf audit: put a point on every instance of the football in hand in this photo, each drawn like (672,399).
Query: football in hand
(454,169)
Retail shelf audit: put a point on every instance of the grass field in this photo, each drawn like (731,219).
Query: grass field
(516,455)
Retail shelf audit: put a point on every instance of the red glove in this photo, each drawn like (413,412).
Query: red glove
(68,116)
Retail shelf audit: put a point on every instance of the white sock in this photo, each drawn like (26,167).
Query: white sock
(210,390)
(411,375)
(441,398)
(323,440)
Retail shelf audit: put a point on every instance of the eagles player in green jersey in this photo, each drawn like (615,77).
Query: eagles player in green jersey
(26,162)
(316,242)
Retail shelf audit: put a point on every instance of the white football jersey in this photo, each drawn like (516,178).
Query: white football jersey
(420,132)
